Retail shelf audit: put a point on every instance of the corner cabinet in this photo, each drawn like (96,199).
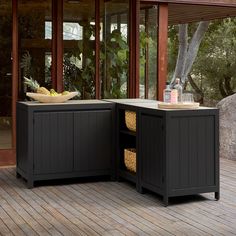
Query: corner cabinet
(64,140)
(177,151)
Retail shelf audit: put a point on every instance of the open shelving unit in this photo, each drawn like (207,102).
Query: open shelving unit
(126,139)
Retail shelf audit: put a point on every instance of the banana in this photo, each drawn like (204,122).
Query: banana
(65,93)
(43,90)
(54,93)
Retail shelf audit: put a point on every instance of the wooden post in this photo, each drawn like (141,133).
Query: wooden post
(60,46)
(147,54)
(162,49)
(97,50)
(15,69)
(133,83)
(54,44)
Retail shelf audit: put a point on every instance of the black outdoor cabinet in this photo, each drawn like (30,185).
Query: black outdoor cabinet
(179,151)
(64,140)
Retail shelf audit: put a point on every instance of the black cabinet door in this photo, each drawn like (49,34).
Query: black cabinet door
(53,142)
(92,140)
(192,152)
(151,151)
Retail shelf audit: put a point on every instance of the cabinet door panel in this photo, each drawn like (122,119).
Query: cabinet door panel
(192,154)
(53,142)
(151,150)
(92,140)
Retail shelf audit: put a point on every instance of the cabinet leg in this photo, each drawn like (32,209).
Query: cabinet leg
(18,175)
(165,201)
(217,196)
(113,178)
(141,190)
(119,179)
(30,184)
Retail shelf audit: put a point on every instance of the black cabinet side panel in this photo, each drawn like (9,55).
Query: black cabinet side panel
(151,148)
(192,152)
(53,142)
(22,139)
(92,140)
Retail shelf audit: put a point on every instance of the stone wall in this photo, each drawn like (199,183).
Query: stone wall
(227,108)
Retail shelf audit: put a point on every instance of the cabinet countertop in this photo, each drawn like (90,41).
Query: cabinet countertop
(150,104)
(142,103)
(71,102)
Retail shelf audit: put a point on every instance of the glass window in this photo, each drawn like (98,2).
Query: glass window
(35,34)
(114,54)
(148,51)
(79,47)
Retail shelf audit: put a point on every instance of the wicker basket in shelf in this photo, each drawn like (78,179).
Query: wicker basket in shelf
(130,159)
(130,120)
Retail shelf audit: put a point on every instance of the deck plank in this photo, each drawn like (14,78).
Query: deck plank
(113,208)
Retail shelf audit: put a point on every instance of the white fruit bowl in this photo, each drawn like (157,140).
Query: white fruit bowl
(51,99)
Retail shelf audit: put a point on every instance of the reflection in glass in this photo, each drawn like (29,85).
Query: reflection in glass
(79,47)
(5,75)
(148,50)
(35,34)
(114,54)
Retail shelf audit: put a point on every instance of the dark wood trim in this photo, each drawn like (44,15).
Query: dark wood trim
(223,3)
(54,44)
(162,49)
(7,157)
(146,54)
(60,46)
(97,50)
(119,22)
(131,53)
(137,48)
(133,83)
(15,69)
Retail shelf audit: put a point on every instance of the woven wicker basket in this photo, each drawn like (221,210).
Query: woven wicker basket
(130,159)
(130,120)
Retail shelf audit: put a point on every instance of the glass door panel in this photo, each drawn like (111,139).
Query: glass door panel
(79,47)
(114,53)
(148,50)
(35,42)
(5,75)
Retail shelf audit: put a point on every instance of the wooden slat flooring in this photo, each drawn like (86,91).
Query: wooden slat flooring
(113,208)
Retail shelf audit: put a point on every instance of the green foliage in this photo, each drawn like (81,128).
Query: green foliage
(114,59)
(214,70)
(79,64)
(217,59)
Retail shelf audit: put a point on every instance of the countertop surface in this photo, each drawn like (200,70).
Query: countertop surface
(130,100)
(144,103)
(70,102)
(150,104)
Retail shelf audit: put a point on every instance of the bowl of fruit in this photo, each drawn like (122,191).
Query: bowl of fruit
(41,94)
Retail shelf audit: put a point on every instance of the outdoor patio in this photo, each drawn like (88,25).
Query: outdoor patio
(113,208)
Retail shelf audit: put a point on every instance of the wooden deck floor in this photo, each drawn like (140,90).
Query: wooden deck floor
(111,208)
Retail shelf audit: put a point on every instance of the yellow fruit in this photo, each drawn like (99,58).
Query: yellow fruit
(65,93)
(54,93)
(43,90)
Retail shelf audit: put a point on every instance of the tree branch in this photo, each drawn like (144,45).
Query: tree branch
(221,88)
(194,86)
(194,46)
(182,52)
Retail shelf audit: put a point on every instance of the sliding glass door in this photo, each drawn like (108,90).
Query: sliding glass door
(35,42)
(5,75)
(148,30)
